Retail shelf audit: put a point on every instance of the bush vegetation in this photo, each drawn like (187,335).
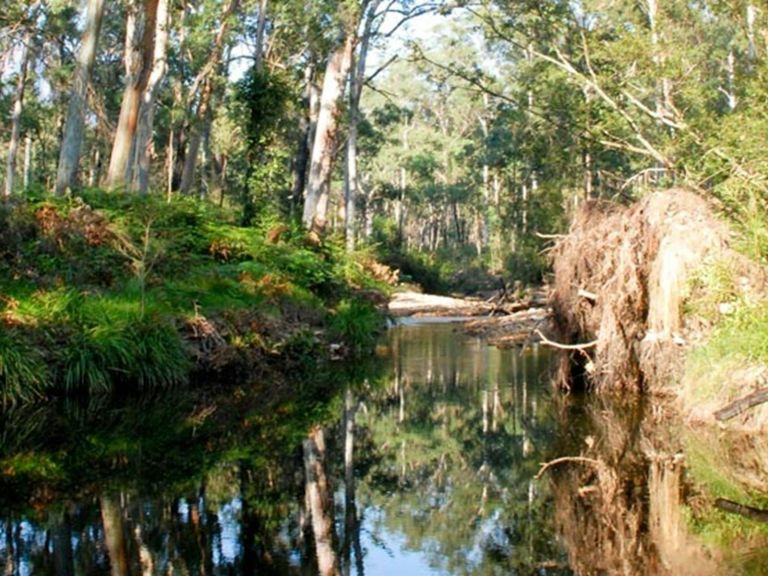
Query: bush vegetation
(96,290)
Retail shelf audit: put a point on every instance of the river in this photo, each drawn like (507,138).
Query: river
(429,453)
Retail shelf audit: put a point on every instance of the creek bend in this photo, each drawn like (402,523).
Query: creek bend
(448,436)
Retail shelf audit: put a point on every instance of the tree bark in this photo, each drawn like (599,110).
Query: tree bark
(260,28)
(139,58)
(190,161)
(69,157)
(357,81)
(27,171)
(204,79)
(144,131)
(321,163)
(319,502)
(18,107)
(305,135)
(114,536)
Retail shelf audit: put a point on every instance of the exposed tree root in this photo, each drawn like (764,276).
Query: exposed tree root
(621,277)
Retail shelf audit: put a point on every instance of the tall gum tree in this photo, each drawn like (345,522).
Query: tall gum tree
(72,140)
(143,143)
(18,106)
(139,58)
(326,131)
(203,84)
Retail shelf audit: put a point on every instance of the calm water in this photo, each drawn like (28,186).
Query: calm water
(448,435)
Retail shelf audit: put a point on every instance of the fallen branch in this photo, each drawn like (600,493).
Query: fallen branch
(742,510)
(741,405)
(546,341)
(564,460)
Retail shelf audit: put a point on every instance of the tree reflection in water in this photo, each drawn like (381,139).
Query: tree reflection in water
(423,463)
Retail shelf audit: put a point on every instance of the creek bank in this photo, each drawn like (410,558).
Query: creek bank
(105,293)
(624,275)
(656,300)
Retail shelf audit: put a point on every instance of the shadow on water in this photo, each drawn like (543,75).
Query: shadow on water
(422,461)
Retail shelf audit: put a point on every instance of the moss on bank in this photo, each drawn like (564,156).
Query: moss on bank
(106,292)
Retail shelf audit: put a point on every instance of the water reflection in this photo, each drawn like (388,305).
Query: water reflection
(456,438)
(423,463)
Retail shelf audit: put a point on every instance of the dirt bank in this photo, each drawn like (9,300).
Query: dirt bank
(622,275)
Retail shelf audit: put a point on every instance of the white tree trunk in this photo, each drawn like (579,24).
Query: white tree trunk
(260,27)
(18,106)
(141,25)
(357,81)
(27,160)
(318,497)
(69,156)
(143,146)
(321,163)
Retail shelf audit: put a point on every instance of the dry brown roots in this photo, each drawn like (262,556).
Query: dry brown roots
(620,279)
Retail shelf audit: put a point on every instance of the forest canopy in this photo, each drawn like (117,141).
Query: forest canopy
(458,129)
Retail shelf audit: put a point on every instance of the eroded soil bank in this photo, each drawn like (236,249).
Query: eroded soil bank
(623,276)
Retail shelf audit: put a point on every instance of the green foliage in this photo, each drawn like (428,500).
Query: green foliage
(739,341)
(526,264)
(112,343)
(710,285)
(420,269)
(24,375)
(744,334)
(138,268)
(158,355)
(356,323)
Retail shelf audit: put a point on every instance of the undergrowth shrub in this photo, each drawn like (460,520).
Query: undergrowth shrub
(158,358)
(417,268)
(356,323)
(24,375)
(90,357)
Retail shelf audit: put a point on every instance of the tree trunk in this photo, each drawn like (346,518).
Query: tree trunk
(143,146)
(305,134)
(752,45)
(205,79)
(18,106)
(139,59)
(321,164)
(27,171)
(114,536)
(190,161)
(72,141)
(63,556)
(319,502)
(260,27)
(356,83)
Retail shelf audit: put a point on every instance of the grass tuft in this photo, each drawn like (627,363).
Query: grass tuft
(24,376)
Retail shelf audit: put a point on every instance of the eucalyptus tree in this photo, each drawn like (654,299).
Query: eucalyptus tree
(69,156)
(144,130)
(140,32)
(26,48)
(326,129)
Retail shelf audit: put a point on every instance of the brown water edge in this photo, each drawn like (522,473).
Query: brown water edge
(629,502)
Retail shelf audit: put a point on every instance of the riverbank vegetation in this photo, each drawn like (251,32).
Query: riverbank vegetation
(214,190)
(116,293)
